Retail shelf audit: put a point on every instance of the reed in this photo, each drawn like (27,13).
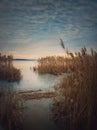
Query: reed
(52,64)
(7,70)
(75,107)
(11,110)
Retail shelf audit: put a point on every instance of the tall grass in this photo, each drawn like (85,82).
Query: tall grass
(52,65)
(11,110)
(75,107)
(7,70)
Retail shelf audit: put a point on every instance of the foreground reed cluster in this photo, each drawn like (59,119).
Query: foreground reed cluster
(11,110)
(75,107)
(52,65)
(7,70)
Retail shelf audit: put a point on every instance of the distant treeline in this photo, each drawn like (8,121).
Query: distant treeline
(25,59)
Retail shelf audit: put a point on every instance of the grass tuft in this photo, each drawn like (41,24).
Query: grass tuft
(7,70)
(11,110)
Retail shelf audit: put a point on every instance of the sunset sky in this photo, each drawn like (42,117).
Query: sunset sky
(33,28)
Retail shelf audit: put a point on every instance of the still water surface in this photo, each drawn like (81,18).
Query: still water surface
(31,80)
(37,113)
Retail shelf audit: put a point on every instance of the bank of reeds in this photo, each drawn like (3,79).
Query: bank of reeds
(7,70)
(11,110)
(52,65)
(75,107)
(36,95)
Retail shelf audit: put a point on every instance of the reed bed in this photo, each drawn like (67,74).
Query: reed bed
(75,106)
(11,110)
(75,103)
(36,95)
(7,70)
(51,64)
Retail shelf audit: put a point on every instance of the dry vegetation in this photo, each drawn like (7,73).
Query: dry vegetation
(75,107)
(11,110)
(10,103)
(7,70)
(52,65)
(36,95)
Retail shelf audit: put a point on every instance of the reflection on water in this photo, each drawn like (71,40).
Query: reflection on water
(31,80)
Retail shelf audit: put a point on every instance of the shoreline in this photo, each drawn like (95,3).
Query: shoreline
(36,95)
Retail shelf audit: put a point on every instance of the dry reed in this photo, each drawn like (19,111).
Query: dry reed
(11,110)
(7,70)
(52,64)
(75,107)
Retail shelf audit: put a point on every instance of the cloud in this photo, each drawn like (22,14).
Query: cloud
(25,23)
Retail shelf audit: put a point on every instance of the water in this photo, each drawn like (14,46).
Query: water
(37,113)
(31,80)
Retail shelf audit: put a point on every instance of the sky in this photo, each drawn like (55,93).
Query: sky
(33,28)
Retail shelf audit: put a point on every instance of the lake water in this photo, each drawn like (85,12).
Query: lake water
(31,80)
(37,113)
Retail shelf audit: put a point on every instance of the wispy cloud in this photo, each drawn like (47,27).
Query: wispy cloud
(28,23)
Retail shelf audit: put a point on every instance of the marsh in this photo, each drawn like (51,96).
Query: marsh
(37,112)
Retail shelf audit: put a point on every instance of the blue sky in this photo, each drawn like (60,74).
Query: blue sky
(32,28)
